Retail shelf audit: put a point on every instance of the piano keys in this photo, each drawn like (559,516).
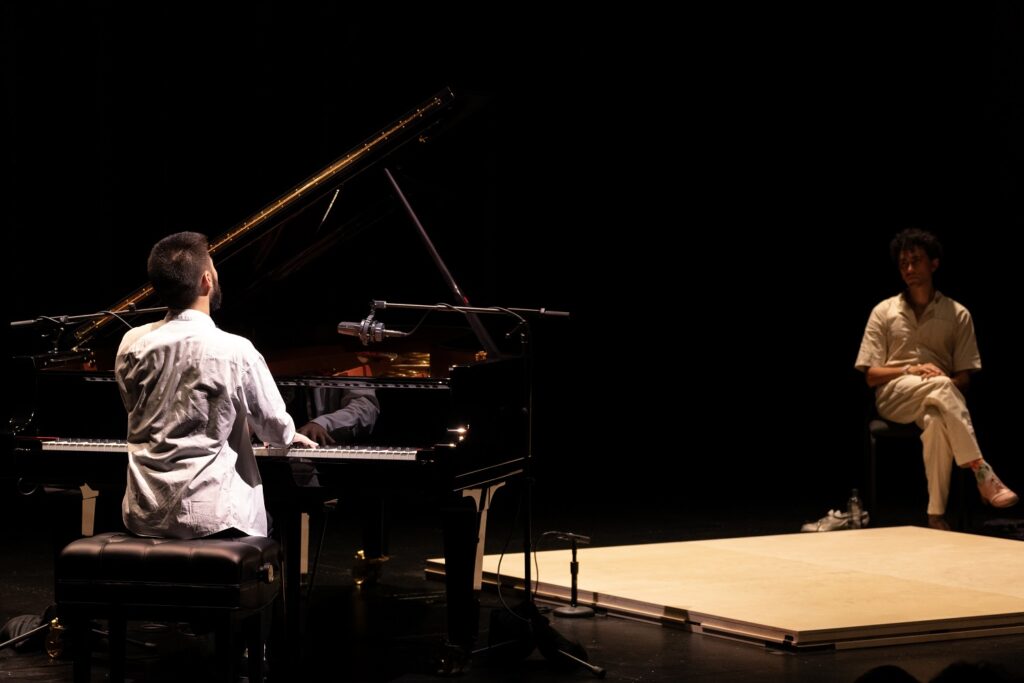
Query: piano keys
(327,453)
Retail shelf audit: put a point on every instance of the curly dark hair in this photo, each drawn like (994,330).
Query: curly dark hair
(175,266)
(915,237)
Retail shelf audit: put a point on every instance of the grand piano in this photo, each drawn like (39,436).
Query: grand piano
(455,419)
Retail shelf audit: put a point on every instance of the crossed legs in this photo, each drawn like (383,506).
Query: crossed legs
(947,435)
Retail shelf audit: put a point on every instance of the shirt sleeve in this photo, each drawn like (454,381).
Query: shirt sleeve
(359,409)
(268,415)
(965,346)
(873,348)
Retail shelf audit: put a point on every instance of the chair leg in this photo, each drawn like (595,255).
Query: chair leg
(872,494)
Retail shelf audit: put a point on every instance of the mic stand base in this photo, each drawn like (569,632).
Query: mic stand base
(574,611)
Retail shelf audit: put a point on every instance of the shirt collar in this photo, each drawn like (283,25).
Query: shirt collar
(190,314)
(905,302)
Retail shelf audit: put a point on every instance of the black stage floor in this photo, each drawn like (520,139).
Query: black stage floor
(391,631)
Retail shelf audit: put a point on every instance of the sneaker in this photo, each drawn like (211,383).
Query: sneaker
(992,490)
(834,520)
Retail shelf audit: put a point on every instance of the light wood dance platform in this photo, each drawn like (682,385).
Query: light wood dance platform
(838,589)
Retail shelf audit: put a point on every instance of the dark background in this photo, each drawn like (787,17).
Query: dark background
(711,196)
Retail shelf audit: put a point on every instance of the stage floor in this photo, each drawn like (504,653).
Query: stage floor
(841,589)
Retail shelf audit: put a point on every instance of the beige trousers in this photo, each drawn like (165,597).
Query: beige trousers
(939,409)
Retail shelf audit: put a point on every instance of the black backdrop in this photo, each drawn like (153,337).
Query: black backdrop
(711,196)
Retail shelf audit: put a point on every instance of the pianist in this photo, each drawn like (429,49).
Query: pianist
(193,392)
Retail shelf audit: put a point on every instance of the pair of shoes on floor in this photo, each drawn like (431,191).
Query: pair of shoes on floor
(835,520)
(992,490)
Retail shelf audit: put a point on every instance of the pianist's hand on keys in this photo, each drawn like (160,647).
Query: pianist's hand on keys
(302,441)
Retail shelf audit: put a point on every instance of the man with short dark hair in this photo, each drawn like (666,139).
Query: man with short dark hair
(918,353)
(192,393)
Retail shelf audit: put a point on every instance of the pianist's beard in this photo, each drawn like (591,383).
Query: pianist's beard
(215,296)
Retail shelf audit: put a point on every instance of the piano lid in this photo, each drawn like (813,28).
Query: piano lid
(284,208)
(318,253)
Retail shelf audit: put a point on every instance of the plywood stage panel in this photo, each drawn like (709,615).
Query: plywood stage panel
(843,589)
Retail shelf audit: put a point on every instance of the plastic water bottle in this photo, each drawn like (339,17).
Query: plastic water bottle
(854,510)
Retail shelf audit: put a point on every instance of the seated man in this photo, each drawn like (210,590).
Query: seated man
(918,353)
(193,392)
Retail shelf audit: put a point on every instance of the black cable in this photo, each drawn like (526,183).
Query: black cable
(24,635)
(504,549)
(130,327)
(316,559)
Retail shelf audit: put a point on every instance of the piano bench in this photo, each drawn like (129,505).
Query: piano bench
(230,583)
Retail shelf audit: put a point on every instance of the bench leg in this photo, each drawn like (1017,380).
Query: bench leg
(254,629)
(118,637)
(79,638)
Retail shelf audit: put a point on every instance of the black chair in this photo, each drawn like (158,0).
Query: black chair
(230,583)
(879,429)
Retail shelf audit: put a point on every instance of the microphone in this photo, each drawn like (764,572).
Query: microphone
(369,330)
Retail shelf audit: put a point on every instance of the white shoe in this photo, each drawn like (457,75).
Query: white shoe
(834,520)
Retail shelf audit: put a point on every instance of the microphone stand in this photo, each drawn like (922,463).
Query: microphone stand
(70,319)
(59,322)
(574,609)
(524,329)
(552,645)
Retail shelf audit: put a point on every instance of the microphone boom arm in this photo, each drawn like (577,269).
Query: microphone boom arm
(542,312)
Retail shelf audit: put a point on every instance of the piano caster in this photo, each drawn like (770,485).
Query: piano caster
(25,488)
(366,571)
(451,660)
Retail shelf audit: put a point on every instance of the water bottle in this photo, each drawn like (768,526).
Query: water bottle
(854,510)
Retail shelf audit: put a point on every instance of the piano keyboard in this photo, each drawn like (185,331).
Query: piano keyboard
(342,452)
(327,453)
(90,445)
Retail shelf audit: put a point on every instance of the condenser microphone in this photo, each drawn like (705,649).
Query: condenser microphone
(369,330)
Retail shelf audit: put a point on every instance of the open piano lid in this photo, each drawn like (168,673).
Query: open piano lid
(321,251)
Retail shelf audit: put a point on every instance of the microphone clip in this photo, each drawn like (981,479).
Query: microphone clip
(369,330)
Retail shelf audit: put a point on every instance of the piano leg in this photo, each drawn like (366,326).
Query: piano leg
(372,508)
(106,502)
(459,520)
(75,510)
(89,496)
(465,527)
(64,516)
(482,497)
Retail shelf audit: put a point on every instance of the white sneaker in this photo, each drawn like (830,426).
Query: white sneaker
(834,520)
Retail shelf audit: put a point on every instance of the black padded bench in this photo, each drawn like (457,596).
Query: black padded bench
(230,583)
